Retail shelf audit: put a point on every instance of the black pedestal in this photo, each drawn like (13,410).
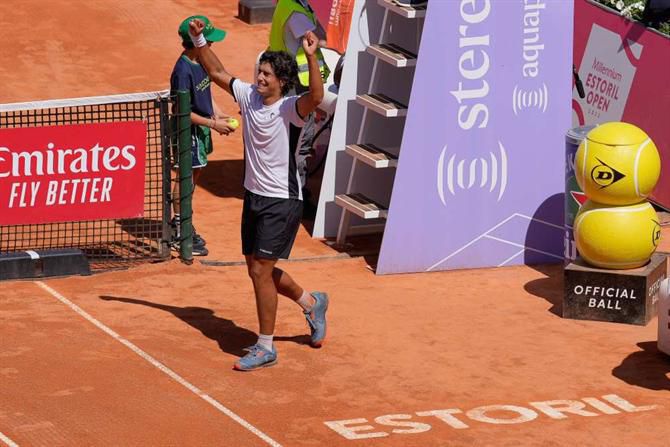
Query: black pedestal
(43,263)
(618,296)
(255,11)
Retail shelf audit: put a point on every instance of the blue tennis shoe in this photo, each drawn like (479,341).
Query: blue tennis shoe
(257,357)
(316,318)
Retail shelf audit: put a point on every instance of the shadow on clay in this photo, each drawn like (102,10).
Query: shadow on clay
(231,338)
(647,368)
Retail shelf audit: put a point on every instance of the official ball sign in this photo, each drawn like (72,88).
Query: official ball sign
(618,296)
(71,173)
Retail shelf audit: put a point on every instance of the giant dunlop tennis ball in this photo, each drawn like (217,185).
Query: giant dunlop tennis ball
(617,164)
(617,237)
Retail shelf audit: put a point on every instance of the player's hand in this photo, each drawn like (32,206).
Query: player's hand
(223,127)
(196,26)
(310,43)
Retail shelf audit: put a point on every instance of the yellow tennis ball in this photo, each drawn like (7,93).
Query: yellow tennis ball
(232,122)
(617,237)
(617,164)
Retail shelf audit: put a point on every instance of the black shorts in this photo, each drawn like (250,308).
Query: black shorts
(269,225)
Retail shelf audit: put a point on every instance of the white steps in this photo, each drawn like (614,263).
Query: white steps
(361,206)
(382,104)
(372,155)
(393,54)
(409,12)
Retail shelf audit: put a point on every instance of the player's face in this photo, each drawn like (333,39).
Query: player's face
(267,83)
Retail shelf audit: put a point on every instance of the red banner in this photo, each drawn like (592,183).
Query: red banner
(72,173)
(624,69)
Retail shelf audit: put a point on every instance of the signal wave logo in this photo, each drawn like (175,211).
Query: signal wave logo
(464,174)
(531,99)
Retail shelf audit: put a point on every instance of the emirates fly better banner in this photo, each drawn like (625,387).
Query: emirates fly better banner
(72,173)
(481,172)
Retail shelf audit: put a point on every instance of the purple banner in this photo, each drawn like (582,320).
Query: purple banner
(480,177)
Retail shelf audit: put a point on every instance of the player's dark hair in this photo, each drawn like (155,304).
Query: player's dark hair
(284,67)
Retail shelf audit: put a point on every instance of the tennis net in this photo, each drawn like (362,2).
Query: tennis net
(107,242)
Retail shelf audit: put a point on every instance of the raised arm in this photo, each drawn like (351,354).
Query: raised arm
(213,66)
(308,102)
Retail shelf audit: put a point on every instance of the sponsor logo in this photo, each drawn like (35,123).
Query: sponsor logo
(64,161)
(656,233)
(607,69)
(473,66)
(604,175)
(204,84)
(485,173)
(537,99)
(68,173)
(532,41)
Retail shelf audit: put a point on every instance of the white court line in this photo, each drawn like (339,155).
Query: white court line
(485,235)
(160,366)
(512,257)
(504,241)
(560,227)
(8,441)
(471,242)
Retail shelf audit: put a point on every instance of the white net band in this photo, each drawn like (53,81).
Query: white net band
(92,100)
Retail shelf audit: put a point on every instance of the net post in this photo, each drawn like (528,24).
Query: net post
(185,176)
(167,143)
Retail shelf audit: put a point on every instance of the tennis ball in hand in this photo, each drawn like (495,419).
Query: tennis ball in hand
(232,122)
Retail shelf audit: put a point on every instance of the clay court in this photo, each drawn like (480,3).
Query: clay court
(143,356)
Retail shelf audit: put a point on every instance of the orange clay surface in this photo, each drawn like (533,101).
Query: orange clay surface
(153,364)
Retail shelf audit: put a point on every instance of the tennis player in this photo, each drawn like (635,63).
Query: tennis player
(273,197)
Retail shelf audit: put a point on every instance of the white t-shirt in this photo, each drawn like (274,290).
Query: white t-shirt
(271,135)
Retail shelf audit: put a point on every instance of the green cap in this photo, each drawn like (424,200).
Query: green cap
(211,34)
